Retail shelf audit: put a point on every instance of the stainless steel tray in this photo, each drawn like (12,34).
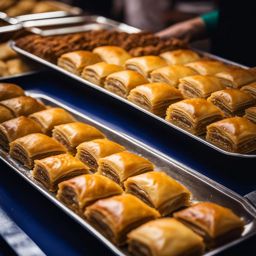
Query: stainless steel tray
(202,188)
(87,83)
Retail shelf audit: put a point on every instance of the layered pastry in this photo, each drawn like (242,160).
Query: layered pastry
(193,115)
(6,52)
(163,237)
(72,134)
(3,69)
(8,91)
(5,114)
(182,56)
(76,61)
(155,97)
(79,192)
(21,7)
(232,101)
(215,223)
(116,216)
(145,64)
(16,128)
(16,66)
(91,151)
(123,165)
(207,67)
(171,74)
(112,54)
(122,82)
(250,114)
(158,190)
(23,105)
(199,86)
(97,73)
(235,134)
(52,170)
(34,146)
(51,117)
(250,88)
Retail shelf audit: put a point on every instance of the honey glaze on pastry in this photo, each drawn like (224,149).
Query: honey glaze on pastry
(5,114)
(8,91)
(250,114)
(250,88)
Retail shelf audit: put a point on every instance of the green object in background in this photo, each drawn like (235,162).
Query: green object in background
(211,20)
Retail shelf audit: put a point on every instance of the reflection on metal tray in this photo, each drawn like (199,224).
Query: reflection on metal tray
(202,188)
(99,88)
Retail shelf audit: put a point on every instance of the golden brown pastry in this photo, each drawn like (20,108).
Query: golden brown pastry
(215,223)
(116,216)
(97,73)
(112,54)
(34,146)
(158,190)
(6,4)
(145,64)
(23,105)
(250,88)
(8,91)
(171,74)
(16,128)
(123,165)
(232,101)
(50,6)
(199,86)
(182,56)
(76,61)
(193,114)
(81,191)
(17,66)
(155,97)
(6,52)
(5,114)
(250,114)
(91,151)
(164,237)
(3,69)
(122,82)
(51,117)
(52,170)
(22,7)
(235,134)
(72,134)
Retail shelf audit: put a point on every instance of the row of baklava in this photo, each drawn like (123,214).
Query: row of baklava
(117,191)
(159,84)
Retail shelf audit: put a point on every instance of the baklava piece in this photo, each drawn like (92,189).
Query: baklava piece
(17,66)
(8,91)
(5,114)
(250,88)
(250,114)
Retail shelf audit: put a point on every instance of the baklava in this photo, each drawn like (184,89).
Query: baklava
(72,134)
(116,216)
(79,192)
(232,101)
(5,114)
(155,97)
(123,165)
(34,146)
(215,223)
(158,190)
(250,88)
(3,69)
(250,114)
(52,170)
(235,134)
(17,66)
(122,82)
(6,52)
(91,151)
(164,237)
(8,91)
(193,115)
(76,61)
(51,117)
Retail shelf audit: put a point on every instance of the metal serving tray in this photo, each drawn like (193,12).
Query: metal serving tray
(202,188)
(99,88)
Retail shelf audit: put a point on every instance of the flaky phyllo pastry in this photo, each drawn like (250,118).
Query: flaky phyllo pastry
(8,91)
(199,86)
(52,170)
(79,192)
(5,114)
(51,117)
(34,146)
(171,74)
(76,61)
(145,64)
(116,216)
(215,223)
(72,134)
(250,88)
(250,114)
(182,56)
(158,190)
(193,114)
(91,151)
(123,165)
(16,128)
(232,101)
(163,237)
(122,82)
(155,97)
(235,134)
(97,73)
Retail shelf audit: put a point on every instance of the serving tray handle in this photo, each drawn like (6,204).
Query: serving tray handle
(251,197)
